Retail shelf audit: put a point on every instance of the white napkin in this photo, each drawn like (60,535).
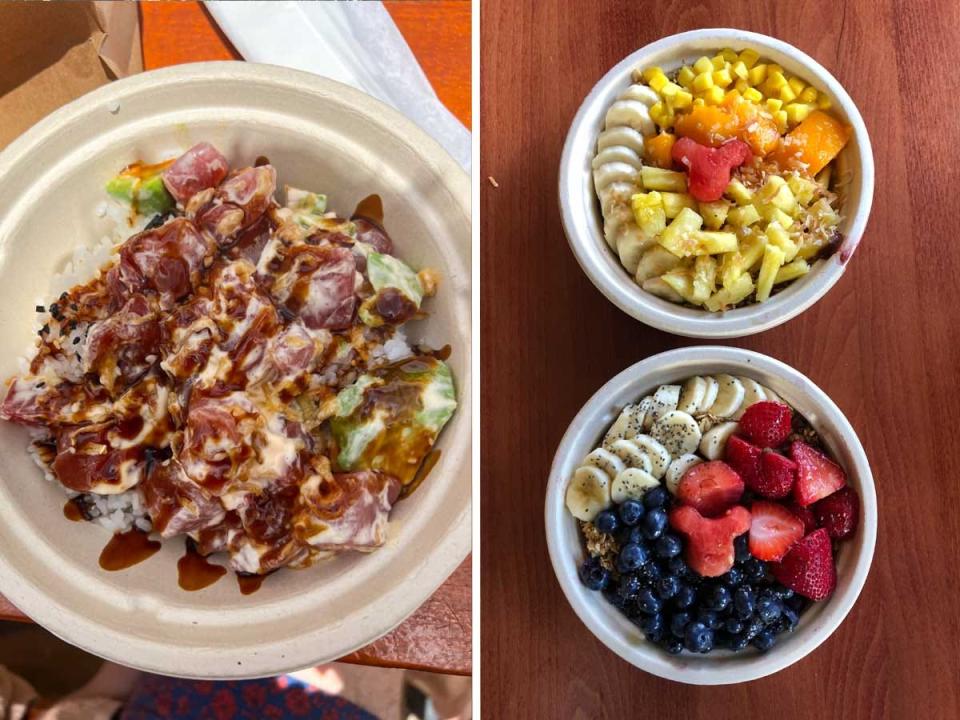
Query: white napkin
(354,43)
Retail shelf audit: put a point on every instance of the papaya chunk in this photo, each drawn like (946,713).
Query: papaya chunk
(812,144)
(659,150)
(713,125)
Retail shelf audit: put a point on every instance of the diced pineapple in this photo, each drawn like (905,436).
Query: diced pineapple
(825,213)
(804,189)
(681,282)
(791,271)
(714,213)
(703,82)
(773,214)
(809,250)
(773,258)
(677,237)
(778,237)
(743,216)
(727,296)
(685,76)
(714,96)
(648,213)
(654,262)
(704,278)
(739,193)
(777,192)
(673,203)
(722,78)
(737,263)
(711,242)
(703,65)
(809,95)
(797,112)
(753,95)
(656,286)
(659,179)
(749,57)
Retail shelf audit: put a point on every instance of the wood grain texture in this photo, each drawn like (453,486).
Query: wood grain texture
(884,343)
(438,635)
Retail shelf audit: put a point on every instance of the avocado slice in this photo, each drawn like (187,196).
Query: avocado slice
(387,273)
(146,195)
(388,420)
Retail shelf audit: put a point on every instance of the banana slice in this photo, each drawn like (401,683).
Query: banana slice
(678,432)
(655,262)
(625,136)
(658,454)
(714,440)
(641,93)
(710,394)
(692,394)
(677,468)
(631,484)
(752,393)
(617,153)
(631,455)
(729,397)
(772,396)
(588,493)
(664,401)
(606,461)
(631,416)
(656,286)
(630,113)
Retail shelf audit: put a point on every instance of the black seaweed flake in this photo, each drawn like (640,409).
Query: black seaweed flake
(40,308)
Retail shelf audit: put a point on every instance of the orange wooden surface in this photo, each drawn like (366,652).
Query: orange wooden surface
(438,635)
(438,33)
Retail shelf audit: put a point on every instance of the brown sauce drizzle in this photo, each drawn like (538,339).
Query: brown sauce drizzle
(425,467)
(127,549)
(195,572)
(72,511)
(249,584)
(261,161)
(371,208)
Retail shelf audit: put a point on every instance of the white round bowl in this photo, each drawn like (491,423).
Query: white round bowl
(566,546)
(320,135)
(583,221)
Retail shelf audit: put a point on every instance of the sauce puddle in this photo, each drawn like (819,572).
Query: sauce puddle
(371,208)
(195,572)
(127,549)
(249,584)
(72,511)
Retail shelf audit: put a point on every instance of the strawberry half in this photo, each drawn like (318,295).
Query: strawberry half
(708,169)
(710,550)
(777,475)
(806,517)
(744,458)
(839,514)
(808,568)
(773,530)
(766,423)
(710,487)
(817,475)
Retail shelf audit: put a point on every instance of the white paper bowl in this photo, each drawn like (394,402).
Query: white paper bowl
(583,221)
(320,135)
(720,667)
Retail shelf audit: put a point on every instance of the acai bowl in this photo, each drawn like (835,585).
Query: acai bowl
(716,183)
(777,473)
(247,120)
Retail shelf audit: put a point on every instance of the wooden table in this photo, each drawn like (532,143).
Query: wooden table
(884,343)
(438,635)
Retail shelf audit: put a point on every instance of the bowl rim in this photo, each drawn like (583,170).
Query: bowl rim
(593,254)
(617,392)
(394,606)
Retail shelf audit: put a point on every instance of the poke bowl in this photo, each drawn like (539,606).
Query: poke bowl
(716,183)
(236,343)
(711,515)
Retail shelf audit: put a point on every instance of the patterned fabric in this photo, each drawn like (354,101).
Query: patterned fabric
(281,698)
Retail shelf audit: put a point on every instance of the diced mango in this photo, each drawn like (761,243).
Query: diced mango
(809,95)
(812,144)
(797,112)
(685,76)
(729,54)
(658,149)
(719,61)
(757,74)
(824,103)
(772,260)
(726,297)
(787,94)
(714,213)
(682,100)
(797,85)
(673,203)
(740,70)
(652,72)
(714,96)
(775,80)
(722,78)
(703,82)
(661,179)
(703,65)
(749,57)
(742,86)
(791,271)
(677,237)
(753,95)
(780,118)
(657,82)
(774,104)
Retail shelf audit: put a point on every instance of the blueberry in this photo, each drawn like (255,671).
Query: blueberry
(629,587)
(753,627)
(594,575)
(741,546)
(651,572)
(733,578)
(797,603)
(667,587)
(754,569)
(673,646)
(709,618)
(630,512)
(606,522)
(612,595)
(653,524)
(733,626)
(655,637)
(784,593)
(668,546)
(685,597)
(651,624)
(718,598)
(764,640)
(647,602)
(768,609)
(677,566)
(790,619)
(656,497)
(698,638)
(738,642)
(631,557)
(743,602)
(679,622)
